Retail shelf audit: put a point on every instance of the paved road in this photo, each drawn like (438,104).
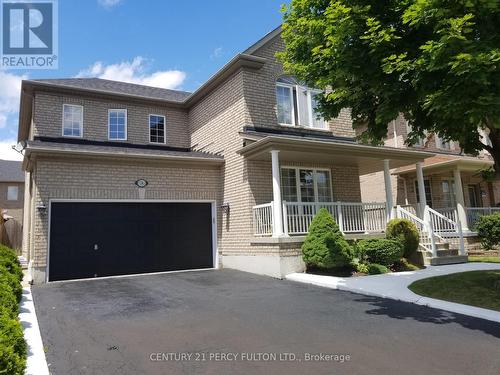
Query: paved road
(143,324)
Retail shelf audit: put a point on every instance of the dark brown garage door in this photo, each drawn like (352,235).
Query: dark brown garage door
(119,238)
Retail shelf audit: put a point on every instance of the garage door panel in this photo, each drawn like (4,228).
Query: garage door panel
(130,238)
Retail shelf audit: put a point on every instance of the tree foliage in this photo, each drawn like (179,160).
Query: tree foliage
(434,61)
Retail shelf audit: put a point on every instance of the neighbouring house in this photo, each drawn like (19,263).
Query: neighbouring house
(12,202)
(124,178)
(454,185)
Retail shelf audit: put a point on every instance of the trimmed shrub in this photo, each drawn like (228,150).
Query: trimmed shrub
(403,265)
(362,268)
(381,250)
(325,246)
(406,232)
(8,259)
(12,344)
(13,348)
(488,230)
(10,279)
(377,269)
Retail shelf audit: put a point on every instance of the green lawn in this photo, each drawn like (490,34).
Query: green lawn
(475,288)
(484,259)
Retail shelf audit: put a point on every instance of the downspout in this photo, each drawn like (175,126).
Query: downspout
(395,134)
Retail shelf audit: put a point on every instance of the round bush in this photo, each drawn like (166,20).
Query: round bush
(381,250)
(406,232)
(488,230)
(377,269)
(325,246)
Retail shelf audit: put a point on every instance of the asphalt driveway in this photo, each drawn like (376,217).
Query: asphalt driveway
(230,322)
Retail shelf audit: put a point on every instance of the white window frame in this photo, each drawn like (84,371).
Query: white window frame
(81,121)
(9,187)
(315,181)
(126,124)
(164,129)
(290,87)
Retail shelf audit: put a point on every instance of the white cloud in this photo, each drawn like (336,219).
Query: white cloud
(135,72)
(108,4)
(9,95)
(6,151)
(216,53)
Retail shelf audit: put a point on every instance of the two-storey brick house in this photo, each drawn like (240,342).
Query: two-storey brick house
(124,178)
(453,181)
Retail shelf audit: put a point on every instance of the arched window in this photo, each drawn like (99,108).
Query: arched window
(296,104)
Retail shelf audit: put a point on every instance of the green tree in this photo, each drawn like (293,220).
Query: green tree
(437,62)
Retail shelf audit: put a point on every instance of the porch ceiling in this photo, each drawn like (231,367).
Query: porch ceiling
(368,159)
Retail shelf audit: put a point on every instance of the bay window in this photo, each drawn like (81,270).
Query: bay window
(296,104)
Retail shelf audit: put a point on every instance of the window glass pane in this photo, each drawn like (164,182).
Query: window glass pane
(323,183)
(428,194)
(303,106)
(289,185)
(284,103)
(306,185)
(318,121)
(72,120)
(117,124)
(156,129)
(12,192)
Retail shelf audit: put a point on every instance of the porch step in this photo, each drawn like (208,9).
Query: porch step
(446,252)
(439,261)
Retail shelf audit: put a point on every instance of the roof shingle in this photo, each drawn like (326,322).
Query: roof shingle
(116,87)
(11,171)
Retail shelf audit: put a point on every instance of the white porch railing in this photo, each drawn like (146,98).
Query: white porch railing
(445,229)
(263,219)
(351,217)
(474,213)
(425,233)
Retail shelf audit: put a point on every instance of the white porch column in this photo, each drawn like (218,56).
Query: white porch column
(277,213)
(459,196)
(421,188)
(388,190)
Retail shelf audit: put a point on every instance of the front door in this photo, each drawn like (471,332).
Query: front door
(474,198)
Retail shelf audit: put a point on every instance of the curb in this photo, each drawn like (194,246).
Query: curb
(36,364)
(336,283)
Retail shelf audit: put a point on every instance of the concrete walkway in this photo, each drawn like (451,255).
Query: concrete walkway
(395,286)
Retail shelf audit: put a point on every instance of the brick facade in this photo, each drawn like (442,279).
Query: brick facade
(48,119)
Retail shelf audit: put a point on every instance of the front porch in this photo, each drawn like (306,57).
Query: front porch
(310,174)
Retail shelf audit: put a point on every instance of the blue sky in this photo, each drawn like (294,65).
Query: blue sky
(166,43)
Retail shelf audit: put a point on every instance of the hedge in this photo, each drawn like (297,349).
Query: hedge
(12,344)
(488,230)
(325,245)
(381,250)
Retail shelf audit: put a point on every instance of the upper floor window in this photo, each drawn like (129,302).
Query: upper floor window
(117,124)
(156,129)
(441,144)
(72,120)
(12,193)
(420,142)
(297,104)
